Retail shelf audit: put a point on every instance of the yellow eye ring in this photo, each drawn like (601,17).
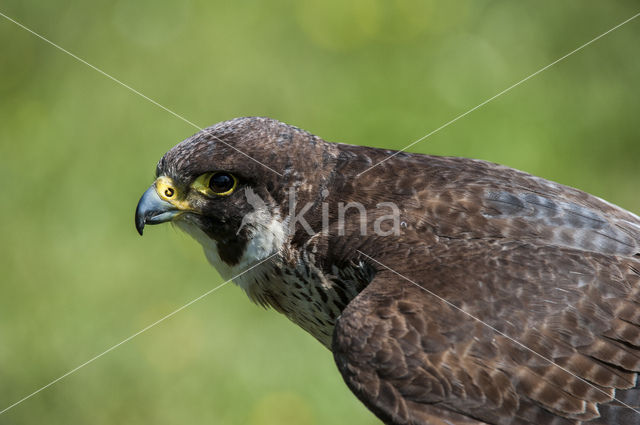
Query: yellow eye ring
(219,183)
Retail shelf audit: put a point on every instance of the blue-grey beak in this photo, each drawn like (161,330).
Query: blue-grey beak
(153,210)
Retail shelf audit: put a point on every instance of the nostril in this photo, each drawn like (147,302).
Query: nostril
(168,192)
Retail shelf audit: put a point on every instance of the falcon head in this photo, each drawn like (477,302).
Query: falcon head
(239,188)
(227,187)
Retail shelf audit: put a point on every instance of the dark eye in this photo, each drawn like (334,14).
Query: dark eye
(222,183)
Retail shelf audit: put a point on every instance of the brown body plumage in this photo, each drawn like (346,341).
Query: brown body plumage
(504,299)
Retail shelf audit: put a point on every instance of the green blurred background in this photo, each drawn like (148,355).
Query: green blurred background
(77,150)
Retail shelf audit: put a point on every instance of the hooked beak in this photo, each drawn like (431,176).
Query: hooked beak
(153,210)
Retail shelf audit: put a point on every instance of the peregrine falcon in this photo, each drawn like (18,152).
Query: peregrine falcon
(449,290)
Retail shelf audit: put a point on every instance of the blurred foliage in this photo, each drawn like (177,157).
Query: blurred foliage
(77,150)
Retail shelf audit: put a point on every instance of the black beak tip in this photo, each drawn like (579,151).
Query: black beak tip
(140,222)
(141,216)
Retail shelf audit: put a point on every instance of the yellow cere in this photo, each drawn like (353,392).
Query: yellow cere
(167,191)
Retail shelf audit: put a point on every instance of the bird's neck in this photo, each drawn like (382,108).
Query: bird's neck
(308,295)
(273,274)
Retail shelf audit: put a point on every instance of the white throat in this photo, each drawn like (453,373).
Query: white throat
(267,238)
